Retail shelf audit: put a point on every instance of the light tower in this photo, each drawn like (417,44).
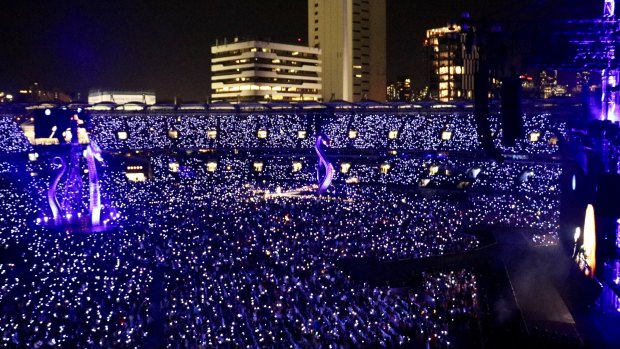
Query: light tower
(596,44)
(610,97)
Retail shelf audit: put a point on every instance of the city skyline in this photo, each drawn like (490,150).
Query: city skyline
(165,47)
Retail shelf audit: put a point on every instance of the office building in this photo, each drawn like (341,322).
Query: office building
(254,70)
(452,63)
(351,35)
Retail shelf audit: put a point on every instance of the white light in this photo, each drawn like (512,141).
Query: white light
(48,112)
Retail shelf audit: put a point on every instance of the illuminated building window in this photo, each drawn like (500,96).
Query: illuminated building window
(258,166)
(352,134)
(122,135)
(553,140)
(173,167)
(135,176)
(424,182)
(433,170)
(173,134)
(297,166)
(301,134)
(463,184)
(393,134)
(352,180)
(534,136)
(446,135)
(212,134)
(262,134)
(211,166)
(33,156)
(385,168)
(345,167)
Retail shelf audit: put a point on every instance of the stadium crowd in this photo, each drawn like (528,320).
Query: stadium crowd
(203,257)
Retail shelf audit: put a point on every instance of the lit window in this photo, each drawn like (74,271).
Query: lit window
(352,134)
(385,168)
(212,134)
(446,135)
(262,134)
(345,167)
(424,182)
(301,134)
(173,167)
(463,184)
(122,135)
(211,166)
(258,166)
(433,170)
(173,134)
(553,140)
(135,176)
(534,136)
(33,156)
(297,166)
(393,134)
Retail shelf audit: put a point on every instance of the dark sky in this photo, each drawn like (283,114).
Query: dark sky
(165,45)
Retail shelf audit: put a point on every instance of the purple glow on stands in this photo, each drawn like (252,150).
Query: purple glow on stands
(94,152)
(325,170)
(51,192)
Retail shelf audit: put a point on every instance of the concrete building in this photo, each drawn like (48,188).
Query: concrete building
(244,71)
(121,97)
(351,35)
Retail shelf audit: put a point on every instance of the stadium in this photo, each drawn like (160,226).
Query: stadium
(214,233)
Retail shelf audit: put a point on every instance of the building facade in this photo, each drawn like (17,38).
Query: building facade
(121,97)
(351,35)
(401,91)
(253,70)
(452,63)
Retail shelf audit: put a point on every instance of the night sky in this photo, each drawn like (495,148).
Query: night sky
(165,45)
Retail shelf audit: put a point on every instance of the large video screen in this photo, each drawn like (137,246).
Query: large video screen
(51,123)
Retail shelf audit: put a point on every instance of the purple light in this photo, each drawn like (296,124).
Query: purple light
(324,164)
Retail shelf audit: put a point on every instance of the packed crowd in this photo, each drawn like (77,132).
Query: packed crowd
(206,256)
(242,268)
(358,131)
(436,172)
(12,138)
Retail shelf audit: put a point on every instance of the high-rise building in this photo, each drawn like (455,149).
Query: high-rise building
(351,35)
(452,63)
(254,70)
